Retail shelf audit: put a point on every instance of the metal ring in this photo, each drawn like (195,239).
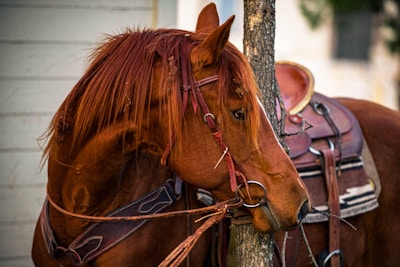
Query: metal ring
(330,255)
(321,109)
(317,152)
(208,114)
(262,201)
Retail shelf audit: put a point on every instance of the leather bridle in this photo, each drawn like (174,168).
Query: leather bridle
(191,89)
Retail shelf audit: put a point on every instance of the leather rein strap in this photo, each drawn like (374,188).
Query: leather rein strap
(334,206)
(98,238)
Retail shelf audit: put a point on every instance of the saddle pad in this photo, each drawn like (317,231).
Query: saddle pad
(356,192)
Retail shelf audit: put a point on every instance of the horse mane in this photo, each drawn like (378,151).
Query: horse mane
(117,84)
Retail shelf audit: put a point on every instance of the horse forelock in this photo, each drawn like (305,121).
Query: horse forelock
(118,85)
(236,77)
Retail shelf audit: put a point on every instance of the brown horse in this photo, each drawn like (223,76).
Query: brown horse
(155,107)
(374,243)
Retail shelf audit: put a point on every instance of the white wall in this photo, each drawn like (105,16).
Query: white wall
(44,46)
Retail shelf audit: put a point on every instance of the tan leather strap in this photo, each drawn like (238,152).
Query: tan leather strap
(176,257)
(334,205)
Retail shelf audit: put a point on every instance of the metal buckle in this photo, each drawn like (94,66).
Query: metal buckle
(262,201)
(317,152)
(208,115)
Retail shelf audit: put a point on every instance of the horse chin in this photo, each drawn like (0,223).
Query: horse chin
(263,220)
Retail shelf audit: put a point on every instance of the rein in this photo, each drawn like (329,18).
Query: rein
(97,237)
(218,212)
(217,208)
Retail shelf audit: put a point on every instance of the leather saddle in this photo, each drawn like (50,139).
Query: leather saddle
(315,124)
(326,145)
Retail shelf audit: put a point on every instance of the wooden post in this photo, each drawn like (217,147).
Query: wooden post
(258,46)
(253,249)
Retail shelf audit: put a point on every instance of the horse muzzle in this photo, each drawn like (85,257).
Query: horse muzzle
(264,217)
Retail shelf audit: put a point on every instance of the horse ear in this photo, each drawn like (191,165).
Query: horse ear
(208,19)
(209,51)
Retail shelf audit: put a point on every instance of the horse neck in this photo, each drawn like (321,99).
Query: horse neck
(100,179)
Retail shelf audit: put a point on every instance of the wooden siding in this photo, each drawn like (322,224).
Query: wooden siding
(43,49)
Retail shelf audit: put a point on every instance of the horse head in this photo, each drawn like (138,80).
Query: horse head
(275,194)
(189,98)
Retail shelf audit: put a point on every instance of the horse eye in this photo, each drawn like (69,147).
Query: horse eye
(239,114)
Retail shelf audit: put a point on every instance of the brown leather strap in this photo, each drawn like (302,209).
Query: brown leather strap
(191,88)
(101,236)
(334,205)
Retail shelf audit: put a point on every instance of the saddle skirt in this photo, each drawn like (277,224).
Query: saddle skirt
(321,124)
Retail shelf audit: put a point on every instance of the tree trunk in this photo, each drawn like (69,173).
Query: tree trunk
(258,46)
(255,249)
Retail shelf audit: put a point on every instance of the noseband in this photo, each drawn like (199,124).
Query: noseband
(191,88)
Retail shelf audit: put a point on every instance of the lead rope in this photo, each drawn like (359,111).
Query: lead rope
(177,256)
(188,222)
(228,204)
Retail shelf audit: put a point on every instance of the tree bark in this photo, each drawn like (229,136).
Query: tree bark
(258,46)
(255,249)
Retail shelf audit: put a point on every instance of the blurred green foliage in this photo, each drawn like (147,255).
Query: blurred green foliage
(316,11)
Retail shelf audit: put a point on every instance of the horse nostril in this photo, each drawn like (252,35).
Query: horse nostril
(303,211)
